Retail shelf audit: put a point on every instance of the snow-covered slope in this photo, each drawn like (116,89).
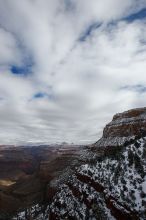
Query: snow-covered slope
(111,184)
(112,188)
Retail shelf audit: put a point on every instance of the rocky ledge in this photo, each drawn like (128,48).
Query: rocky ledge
(124,127)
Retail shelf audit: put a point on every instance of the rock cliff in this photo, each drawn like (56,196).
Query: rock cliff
(124,127)
(113,184)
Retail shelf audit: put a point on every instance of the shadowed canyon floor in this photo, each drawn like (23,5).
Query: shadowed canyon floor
(26,172)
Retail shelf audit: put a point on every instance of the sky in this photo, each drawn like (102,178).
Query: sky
(67,66)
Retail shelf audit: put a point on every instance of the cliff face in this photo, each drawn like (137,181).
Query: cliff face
(124,127)
(113,184)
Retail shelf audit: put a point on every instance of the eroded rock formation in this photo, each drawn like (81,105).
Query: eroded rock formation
(124,127)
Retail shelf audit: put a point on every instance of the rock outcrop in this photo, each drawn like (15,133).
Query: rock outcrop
(124,127)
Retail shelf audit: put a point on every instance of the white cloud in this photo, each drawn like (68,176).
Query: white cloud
(83,79)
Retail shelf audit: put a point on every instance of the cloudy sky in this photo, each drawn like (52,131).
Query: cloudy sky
(66,66)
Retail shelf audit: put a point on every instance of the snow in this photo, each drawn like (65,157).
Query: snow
(144,186)
(130,183)
(113,141)
(133,120)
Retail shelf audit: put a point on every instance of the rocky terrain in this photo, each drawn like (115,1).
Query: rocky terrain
(25,173)
(123,127)
(113,184)
(104,181)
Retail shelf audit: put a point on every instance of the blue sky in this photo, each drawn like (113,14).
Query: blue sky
(67,66)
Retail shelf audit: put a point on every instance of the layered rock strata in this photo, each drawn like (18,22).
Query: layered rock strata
(124,127)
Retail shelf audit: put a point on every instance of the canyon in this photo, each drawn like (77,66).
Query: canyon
(104,180)
(25,173)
